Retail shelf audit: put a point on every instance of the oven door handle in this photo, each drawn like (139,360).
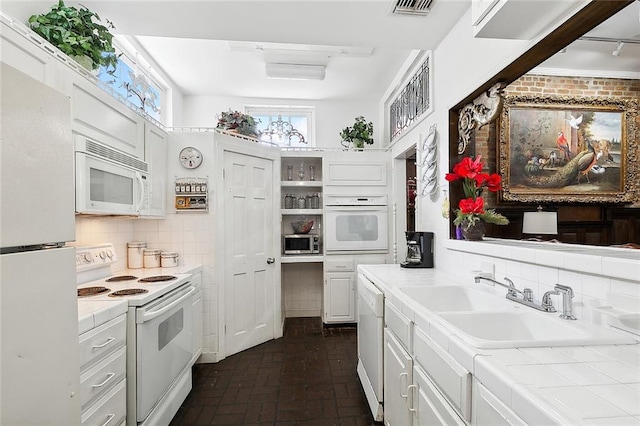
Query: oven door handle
(153,313)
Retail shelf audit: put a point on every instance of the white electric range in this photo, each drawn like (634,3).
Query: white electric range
(159,330)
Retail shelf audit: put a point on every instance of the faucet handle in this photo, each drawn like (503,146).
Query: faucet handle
(547,303)
(527,294)
(564,289)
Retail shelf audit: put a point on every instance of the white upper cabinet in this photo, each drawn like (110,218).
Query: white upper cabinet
(101,117)
(355,169)
(155,147)
(26,56)
(505,18)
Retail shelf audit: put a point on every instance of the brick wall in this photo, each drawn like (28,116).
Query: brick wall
(545,85)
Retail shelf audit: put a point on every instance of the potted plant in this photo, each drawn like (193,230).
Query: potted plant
(238,122)
(359,134)
(471,214)
(75,32)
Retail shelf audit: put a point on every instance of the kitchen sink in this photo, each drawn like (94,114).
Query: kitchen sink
(527,329)
(455,298)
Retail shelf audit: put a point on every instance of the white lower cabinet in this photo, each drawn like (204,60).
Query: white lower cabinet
(103,373)
(339,290)
(489,410)
(429,406)
(197,317)
(398,377)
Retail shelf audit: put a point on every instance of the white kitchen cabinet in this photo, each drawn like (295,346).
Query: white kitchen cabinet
(429,405)
(488,410)
(503,18)
(450,378)
(339,289)
(103,373)
(355,172)
(27,52)
(340,286)
(99,116)
(398,375)
(155,147)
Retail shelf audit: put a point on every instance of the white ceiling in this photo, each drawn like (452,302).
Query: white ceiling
(188,40)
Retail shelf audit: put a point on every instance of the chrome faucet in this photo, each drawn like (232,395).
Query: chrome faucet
(513,292)
(567,301)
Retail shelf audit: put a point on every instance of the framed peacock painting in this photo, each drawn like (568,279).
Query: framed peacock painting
(565,149)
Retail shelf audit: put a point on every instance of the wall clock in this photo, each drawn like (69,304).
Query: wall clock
(190,157)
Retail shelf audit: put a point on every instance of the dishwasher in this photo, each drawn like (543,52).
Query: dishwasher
(371,343)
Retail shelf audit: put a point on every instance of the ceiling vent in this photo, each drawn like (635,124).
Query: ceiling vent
(412,7)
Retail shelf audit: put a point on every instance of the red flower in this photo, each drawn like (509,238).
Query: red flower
(469,205)
(468,168)
(493,182)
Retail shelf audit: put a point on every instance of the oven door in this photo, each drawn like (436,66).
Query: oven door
(164,333)
(356,228)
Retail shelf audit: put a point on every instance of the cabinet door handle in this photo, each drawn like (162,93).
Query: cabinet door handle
(410,401)
(405,375)
(109,340)
(105,381)
(270,260)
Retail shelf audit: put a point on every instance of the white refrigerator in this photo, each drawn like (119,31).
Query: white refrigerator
(39,350)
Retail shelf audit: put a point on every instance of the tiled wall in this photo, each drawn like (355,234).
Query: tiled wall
(302,289)
(191,235)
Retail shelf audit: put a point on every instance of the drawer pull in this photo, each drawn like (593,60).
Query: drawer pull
(109,377)
(109,340)
(410,402)
(405,375)
(109,418)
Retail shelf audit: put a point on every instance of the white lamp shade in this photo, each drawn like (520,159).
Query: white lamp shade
(538,223)
(295,71)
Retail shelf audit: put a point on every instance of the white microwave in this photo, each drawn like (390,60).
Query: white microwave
(109,182)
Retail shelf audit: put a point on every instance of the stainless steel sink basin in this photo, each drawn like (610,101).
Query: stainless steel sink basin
(455,298)
(527,329)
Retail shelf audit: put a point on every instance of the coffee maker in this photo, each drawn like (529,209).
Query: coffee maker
(419,250)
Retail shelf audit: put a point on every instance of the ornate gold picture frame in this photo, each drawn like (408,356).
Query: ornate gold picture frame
(566,149)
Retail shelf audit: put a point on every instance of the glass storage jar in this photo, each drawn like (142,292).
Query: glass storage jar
(302,203)
(288,201)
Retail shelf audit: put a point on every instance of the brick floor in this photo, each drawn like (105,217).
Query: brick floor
(308,377)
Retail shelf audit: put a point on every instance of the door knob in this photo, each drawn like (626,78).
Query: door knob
(270,260)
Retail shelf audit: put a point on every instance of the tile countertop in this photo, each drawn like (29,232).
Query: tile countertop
(92,313)
(542,385)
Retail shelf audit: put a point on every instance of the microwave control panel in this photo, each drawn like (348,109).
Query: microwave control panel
(192,194)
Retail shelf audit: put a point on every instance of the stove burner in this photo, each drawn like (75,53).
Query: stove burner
(157,278)
(121,278)
(91,291)
(128,292)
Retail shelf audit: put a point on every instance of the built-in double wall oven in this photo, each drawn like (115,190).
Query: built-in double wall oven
(356,223)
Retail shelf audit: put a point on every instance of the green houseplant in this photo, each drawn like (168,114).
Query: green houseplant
(359,134)
(236,121)
(75,32)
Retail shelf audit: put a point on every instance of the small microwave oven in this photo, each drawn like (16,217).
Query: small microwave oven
(302,244)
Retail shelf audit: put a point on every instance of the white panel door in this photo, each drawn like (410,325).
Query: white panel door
(249,225)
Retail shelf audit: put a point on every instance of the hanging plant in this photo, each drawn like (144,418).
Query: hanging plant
(75,32)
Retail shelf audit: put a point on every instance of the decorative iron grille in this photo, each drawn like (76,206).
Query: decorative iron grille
(411,102)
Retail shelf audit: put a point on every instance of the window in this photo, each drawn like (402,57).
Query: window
(284,126)
(131,83)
